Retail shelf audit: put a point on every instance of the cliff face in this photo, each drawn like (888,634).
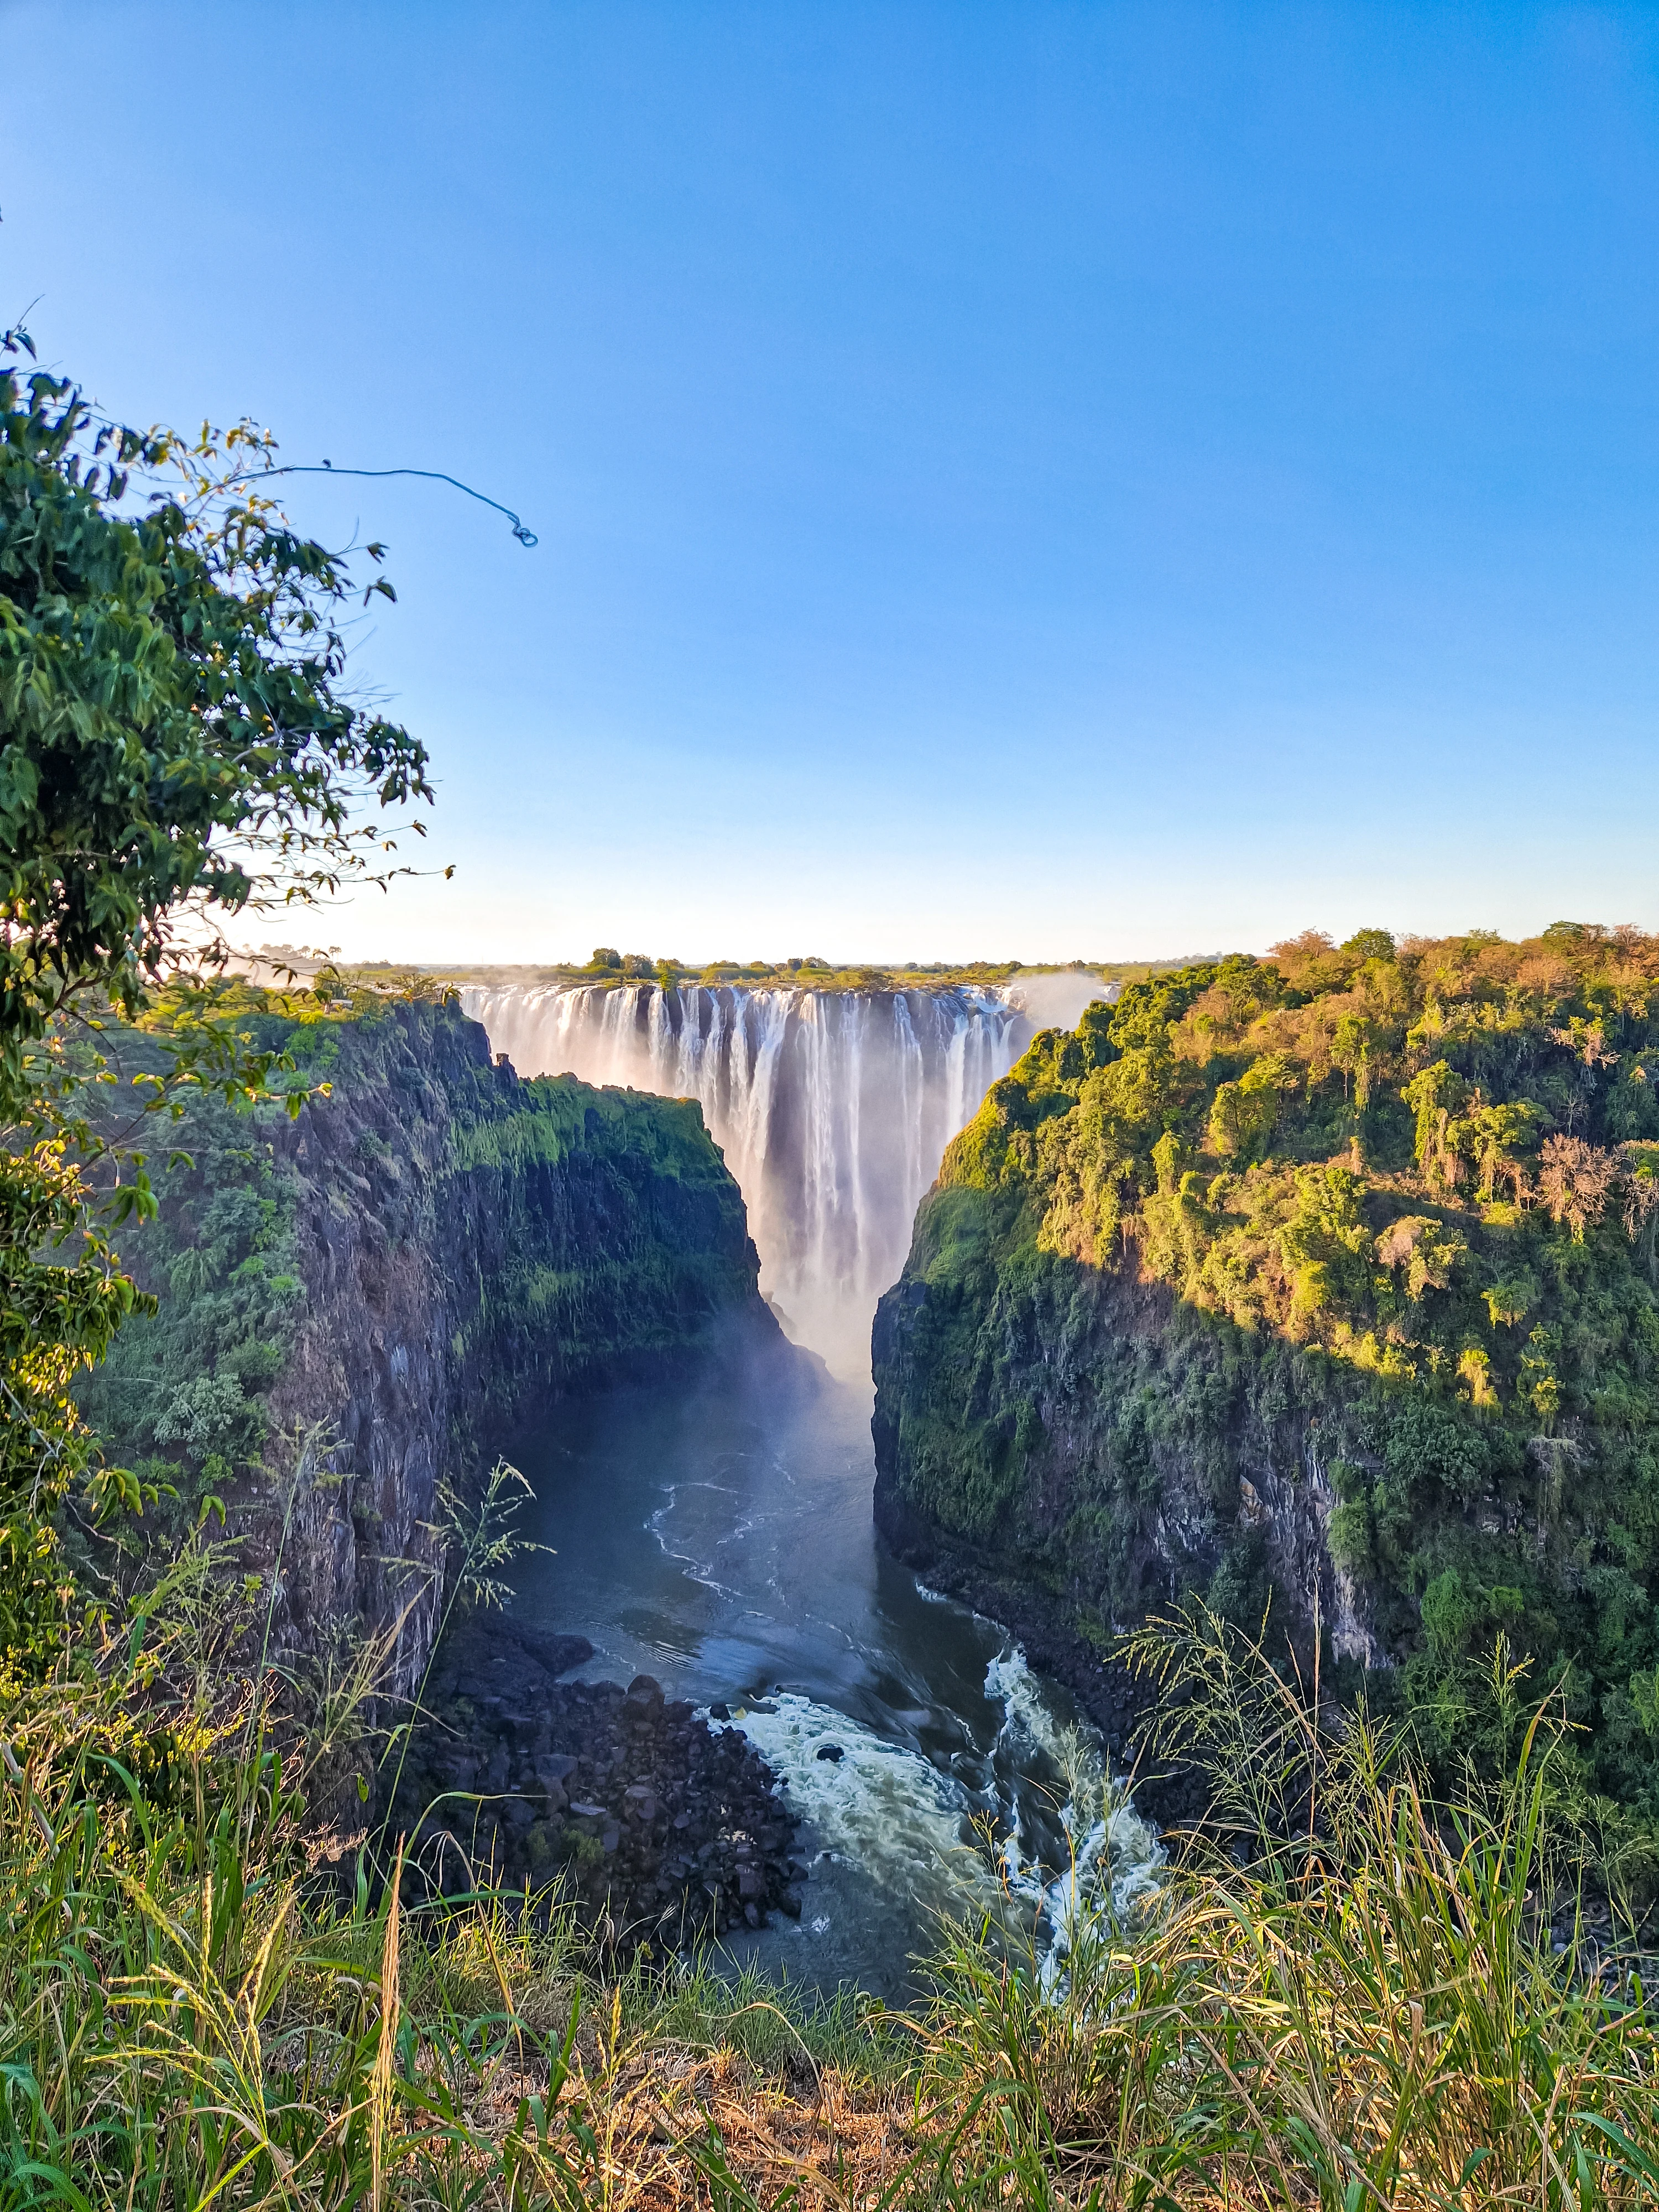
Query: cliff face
(1075,1431)
(1331,1280)
(364,1302)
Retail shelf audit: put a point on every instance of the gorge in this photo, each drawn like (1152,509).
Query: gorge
(439,1260)
(1302,1285)
(1323,1286)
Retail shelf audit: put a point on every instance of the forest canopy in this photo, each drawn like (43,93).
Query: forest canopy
(1428,1170)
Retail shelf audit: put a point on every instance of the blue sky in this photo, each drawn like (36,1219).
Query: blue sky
(1012,481)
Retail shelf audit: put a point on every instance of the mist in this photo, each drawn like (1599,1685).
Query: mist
(1056,1001)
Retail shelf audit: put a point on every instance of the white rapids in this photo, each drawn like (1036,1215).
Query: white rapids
(910,1828)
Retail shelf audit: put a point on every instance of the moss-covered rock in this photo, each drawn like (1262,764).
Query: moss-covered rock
(355,1305)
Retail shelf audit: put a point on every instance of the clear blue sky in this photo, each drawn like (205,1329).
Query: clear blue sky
(1012,480)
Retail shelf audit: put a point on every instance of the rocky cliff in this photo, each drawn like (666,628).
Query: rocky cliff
(361,1305)
(1327,1282)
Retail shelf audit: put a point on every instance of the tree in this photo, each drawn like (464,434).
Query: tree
(176,748)
(1575,1180)
(1501,1133)
(1370,944)
(1434,1094)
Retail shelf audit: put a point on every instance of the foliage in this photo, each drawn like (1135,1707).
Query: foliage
(177,745)
(177,738)
(1403,1200)
(201,2001)
(179,1395)
(56,1317)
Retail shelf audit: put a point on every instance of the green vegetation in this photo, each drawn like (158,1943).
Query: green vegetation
(1372,1225)
(180,1396)
(178,746)
(610,967)
(654,1280)
(207,1998)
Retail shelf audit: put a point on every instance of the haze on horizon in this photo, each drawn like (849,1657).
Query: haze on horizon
(1035,481)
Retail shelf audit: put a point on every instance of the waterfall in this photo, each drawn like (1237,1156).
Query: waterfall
(832,1109)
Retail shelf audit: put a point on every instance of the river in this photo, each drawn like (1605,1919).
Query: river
(722,1539)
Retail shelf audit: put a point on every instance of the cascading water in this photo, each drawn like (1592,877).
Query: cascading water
(832,1109)
(728,1548)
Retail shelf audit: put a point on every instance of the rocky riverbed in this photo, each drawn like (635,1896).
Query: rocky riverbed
(661,1826)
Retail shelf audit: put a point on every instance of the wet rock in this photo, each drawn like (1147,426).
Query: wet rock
(832,1751)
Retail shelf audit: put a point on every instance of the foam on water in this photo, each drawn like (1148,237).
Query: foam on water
(1113,1855)
(919,1833)
(882,1806)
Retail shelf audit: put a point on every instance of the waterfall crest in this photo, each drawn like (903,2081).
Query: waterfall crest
(832,1109)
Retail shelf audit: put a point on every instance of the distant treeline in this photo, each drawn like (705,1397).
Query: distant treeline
(808,971)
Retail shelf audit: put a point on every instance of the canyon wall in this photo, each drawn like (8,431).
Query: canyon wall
(1326,1288)
(365,1302)
(1076,1434)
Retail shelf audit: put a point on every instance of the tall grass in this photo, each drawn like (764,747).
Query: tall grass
(1375,2008)
(1351,1997)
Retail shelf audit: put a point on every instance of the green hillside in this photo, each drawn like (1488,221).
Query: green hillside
(1360,1239)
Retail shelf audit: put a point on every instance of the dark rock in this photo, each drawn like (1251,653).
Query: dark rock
(658,1824)
(831,1751)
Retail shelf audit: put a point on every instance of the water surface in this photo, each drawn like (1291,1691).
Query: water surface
(722,1539)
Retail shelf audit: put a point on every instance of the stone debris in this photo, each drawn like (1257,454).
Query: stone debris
(662,1825)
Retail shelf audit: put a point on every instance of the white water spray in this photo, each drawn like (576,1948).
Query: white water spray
(832,1109)
(911,1829)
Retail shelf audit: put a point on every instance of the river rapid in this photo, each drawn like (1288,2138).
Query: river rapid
(721,1539)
